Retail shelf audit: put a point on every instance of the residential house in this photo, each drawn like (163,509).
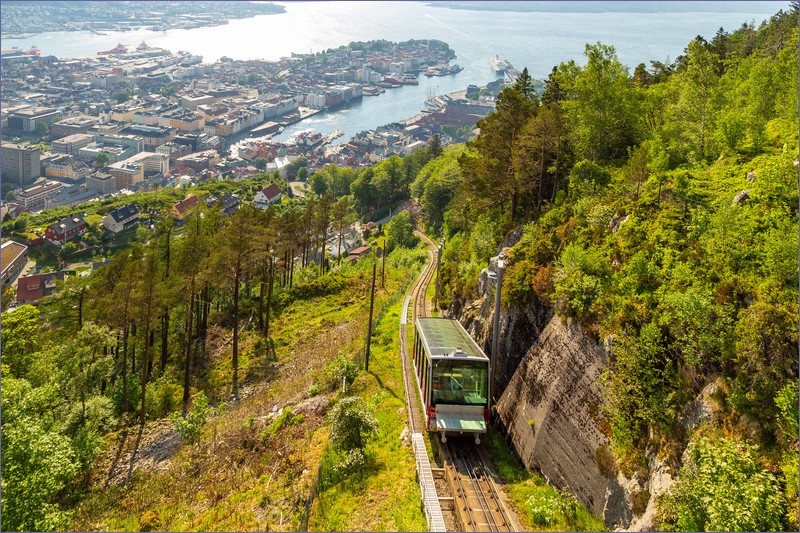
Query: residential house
(228,203)
(30,289)
(267,196)
(121,219)
(358,253)
(65,230)
(182,208)
(14,259)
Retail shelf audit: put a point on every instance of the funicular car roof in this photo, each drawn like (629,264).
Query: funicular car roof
(443,336)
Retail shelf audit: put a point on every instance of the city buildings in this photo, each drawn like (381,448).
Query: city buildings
(21,163)
(14,258)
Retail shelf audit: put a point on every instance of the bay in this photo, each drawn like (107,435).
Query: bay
(537,40)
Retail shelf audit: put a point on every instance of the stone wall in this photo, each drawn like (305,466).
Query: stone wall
(552,413)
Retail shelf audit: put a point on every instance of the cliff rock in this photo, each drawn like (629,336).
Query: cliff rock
(552,413)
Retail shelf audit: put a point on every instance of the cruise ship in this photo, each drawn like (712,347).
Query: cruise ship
(500,65)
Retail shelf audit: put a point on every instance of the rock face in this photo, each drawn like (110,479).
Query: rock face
(551,411)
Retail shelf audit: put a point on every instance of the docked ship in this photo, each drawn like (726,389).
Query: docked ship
(119,49)
(500,65)
(443,70)
(33,51)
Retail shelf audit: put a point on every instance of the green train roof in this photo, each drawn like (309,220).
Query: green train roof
(446,337)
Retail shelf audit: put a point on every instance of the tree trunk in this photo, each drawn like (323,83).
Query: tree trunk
(164,340)
(188,365)
(262,287)
(339,252)
(236,331)
(133,348)
(152,337)
(541,180)
(269,298)
(291,268)
(555,178)
(125,370)
(80,309)
(145,373)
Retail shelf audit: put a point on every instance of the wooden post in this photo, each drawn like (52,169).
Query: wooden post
(369,325)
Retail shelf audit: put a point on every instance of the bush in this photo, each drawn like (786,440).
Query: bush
(162,398)
(191,427)
(724,487)
(329,377)
(328,284)
(353,424)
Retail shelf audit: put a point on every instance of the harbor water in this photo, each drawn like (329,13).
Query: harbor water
(536,40)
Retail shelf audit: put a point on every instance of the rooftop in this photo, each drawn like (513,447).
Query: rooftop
(444,337)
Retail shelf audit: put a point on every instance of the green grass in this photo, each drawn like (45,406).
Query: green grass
(240,476)
(387,497)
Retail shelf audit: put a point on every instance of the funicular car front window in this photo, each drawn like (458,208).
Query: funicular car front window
(459,382)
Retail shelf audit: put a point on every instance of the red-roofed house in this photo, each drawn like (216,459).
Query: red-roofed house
(267,196)
(30,289)
(182,208)
(65,229)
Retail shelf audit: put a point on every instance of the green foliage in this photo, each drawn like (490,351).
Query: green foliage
(353,424)
(20,338)
(38,463)
(163,397)
(580,277)
(329,377)
(724,487)
(642,387)
(332,283)
(191,427)
(285,418)
(400,230)
(786,402)
(547,508)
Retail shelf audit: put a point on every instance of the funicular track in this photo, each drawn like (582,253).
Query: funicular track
(469,488)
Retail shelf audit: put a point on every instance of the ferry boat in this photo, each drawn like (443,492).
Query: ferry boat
(33,51)
(500,65)
(119,49)
(443,70)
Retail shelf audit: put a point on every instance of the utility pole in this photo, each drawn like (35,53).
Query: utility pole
(383,263)
(496,326)
(438,268)
(369,325)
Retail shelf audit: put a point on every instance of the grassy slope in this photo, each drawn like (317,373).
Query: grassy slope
(242,477)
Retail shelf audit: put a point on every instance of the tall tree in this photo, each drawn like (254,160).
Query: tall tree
(697,105)
(524,85)
(601,107)
(147,304)
(489,172)
(191,262)
(236,245)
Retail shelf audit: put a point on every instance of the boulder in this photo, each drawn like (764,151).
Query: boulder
(742,196)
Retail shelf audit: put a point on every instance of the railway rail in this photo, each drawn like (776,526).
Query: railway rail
(474,496)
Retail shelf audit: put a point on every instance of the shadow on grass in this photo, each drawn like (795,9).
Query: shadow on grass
(381,384)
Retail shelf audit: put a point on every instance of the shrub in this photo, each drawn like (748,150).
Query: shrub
(162,398)
(286,418)
(724,487)
(329,377)
(353,424)
(191,427)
